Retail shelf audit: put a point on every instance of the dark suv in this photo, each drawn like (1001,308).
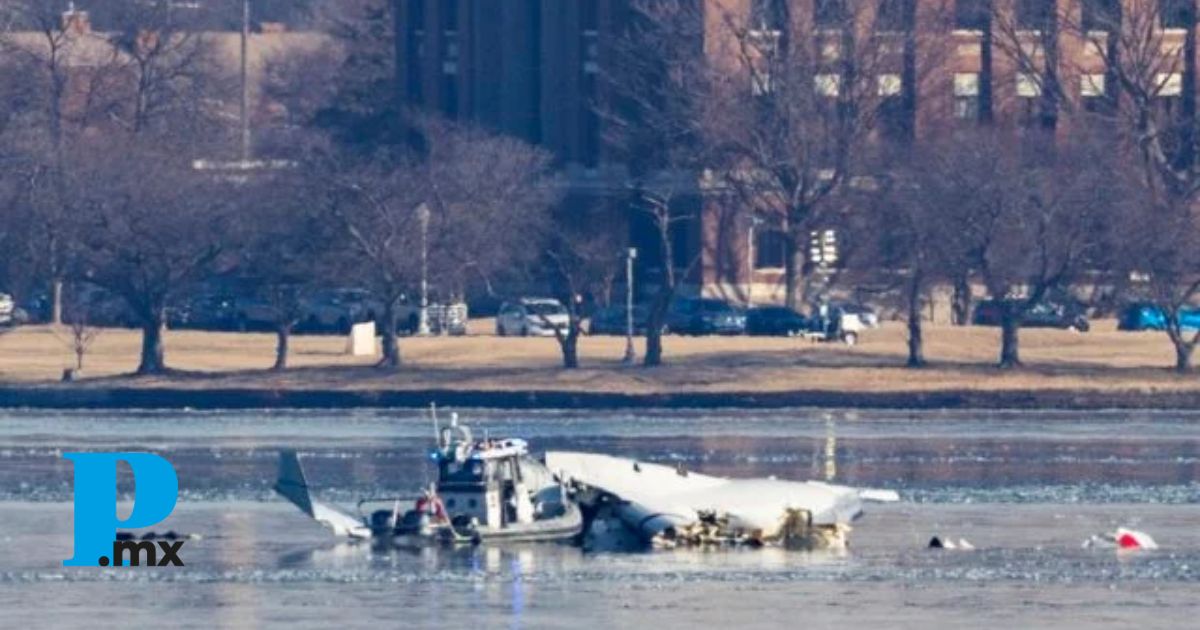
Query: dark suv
(1040,315)
(704,316)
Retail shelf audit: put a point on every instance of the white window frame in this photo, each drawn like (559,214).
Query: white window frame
(1092,85)
(966,84)
(1169,84)
(828,84)
(1028,86)
(890,84)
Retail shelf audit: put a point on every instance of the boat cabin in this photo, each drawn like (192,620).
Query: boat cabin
(483,482)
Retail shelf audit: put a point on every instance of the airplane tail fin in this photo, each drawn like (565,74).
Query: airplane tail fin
(291,483)
(292,486)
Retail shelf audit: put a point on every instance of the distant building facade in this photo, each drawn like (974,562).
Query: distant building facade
(530,68)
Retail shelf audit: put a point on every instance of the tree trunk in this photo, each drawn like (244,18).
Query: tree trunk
(391,344)
(960,306)
(1183,355)
(793,267)
(655,321)
(1010,356)
(916,351)
(654,347)
(570,346)
(283,335)
(152,345)
(56,302)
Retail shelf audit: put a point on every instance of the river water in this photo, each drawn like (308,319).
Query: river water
(1026,488)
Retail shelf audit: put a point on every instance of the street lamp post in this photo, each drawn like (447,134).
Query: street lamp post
(423,323)
(630,354)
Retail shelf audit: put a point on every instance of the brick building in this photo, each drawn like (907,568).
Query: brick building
(531,68)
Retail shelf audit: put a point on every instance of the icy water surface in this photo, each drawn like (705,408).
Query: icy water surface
(1025,488)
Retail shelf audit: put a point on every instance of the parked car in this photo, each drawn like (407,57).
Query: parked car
(336,310)
(832,322)
(866,316)
(775,320)
(7,308)
(205,310)
(1041,315)
(705,316)
(1144,316)
(614,320)
(531,316)
(95,306)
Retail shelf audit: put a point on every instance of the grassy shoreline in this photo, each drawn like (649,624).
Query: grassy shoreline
(1102,368)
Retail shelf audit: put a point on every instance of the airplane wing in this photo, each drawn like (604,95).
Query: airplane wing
(656,498)
(292,486)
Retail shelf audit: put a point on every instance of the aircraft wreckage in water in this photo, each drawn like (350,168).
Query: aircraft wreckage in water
(632,502)
(494,491)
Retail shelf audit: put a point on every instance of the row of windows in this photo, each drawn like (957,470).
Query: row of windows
(966,88)
(900,15)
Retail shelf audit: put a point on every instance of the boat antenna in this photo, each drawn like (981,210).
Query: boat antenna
(437,437)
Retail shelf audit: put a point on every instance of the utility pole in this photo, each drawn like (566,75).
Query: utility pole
(630,354)
(423,215)
(245,109)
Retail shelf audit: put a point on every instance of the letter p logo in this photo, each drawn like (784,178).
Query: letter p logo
(96,522)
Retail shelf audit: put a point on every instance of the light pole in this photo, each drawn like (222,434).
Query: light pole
(630,354)
(245,105)
(423,321)
(755,221)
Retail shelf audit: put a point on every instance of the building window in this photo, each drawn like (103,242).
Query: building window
(769,15)
(1035,15)
(450,52)
(1101,15)
(1176,13)
(591,51)
(1091,85)
(966,96)
(896,16)
(830,13)
(972,15)
(416,48)
(1169,84)
(1094,93)
(890,84)
(1028,85)
(770,249)
(895,119)
(828,84)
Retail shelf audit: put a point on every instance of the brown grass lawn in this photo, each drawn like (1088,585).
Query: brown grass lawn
(961,358)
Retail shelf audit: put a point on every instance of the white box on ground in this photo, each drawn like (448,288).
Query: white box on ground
(361,342)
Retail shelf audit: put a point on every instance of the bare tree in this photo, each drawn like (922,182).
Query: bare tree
(1027,228)
(584,254)
(667,209)
(148,225)
(482,196)
(80,340)
(794,121)
(1149,52)
(282,251)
